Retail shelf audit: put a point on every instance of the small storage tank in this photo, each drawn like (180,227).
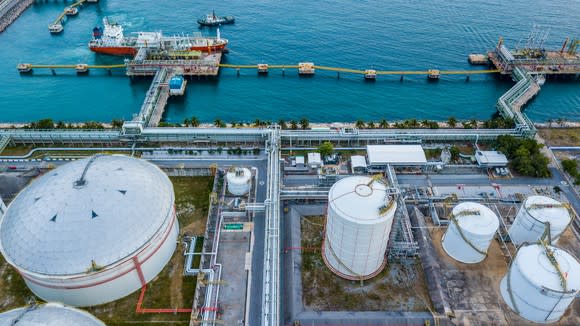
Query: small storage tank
(538,287)
(471,228)
(91,231)
(48,314)
(529,224)
(239,181)
(358,224)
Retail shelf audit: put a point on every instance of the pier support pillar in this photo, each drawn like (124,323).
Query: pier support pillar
(53,72)
(238,71)
(283,72)
(402,77)
(338,75)
(110,72)
(467,78)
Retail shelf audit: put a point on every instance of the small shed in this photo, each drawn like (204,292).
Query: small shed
(395,155)
(314,160)
(358,164)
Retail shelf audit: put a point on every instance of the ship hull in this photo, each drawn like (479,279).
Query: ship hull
(115,50)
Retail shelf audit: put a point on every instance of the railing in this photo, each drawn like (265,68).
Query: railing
(4,141)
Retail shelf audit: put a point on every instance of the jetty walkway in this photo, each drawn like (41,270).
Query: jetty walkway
(10,10)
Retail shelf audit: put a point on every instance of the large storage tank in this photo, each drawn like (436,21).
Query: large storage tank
(538,287)
(91,231)
(49,314)
(471,228)
(359,220)
(529,224)
(239,181)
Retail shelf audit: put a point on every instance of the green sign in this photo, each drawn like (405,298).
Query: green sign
(234,226)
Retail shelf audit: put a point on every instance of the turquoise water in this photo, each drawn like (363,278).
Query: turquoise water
(388,35)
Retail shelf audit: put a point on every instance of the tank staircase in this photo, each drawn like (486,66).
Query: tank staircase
(10,10)
(402,244)
(4,141)
(511,103)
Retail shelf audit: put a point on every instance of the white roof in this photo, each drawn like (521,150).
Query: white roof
(358,161)
(299,159)
(558,216)
(396,155)
(354,199)
(491,158)
(55,228)
(483,223)
(536,267)
(314,158)
(49,314)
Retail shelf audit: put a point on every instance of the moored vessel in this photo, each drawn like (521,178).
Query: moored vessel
(111,40)
(213,20)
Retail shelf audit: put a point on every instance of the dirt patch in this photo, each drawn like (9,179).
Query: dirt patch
(399,287)
(561,136)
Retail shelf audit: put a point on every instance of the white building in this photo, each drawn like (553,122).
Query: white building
(314,160)
(91,231)
(490,159)
(395,155)
(358,164)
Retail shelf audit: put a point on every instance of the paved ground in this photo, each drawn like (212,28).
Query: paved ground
(232,255)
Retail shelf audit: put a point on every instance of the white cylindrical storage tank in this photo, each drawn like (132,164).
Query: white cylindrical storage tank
(535,289)
(358,224)
(91,231)
(239,181)
(529,224)
(48,314)
(471,228)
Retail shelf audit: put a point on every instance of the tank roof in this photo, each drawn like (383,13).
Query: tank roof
(557,216)
(483,222)
(49,314)
(536,267)
(57,226)
(359,198)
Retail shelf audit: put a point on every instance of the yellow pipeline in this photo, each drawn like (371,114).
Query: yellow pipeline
(75,66)
(61,16)
(362,72)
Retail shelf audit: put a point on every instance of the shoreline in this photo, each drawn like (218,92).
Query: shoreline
(441,124)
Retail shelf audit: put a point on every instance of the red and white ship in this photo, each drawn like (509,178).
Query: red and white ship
(111,40)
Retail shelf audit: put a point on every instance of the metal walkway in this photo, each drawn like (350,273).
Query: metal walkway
(271,290)
(510,104)
(4,141)
(155,100)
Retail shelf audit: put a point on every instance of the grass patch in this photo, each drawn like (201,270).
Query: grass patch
(400,286)
(13,291)
(433,153)
(561,136)
(192,202)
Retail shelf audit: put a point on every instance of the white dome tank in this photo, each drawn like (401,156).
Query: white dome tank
(534,212)
(535,285)
(358,224)
(91,231)
(470,231)
(239,181)
(48,314)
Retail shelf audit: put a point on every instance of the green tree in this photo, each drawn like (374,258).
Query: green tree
(371,125)
(359,124)
(454,151)
(452,122)
(293,125)
(257,123)
(570,166)
(326,149)
(117,123)
(383,124)
(282,124)
(219,123)
(304,123)
(186,122)
(194,122)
